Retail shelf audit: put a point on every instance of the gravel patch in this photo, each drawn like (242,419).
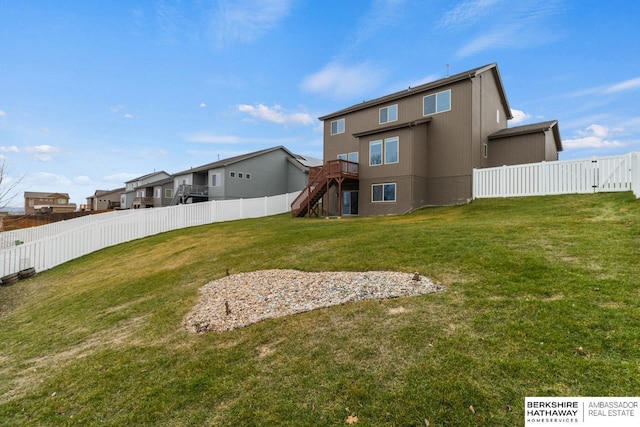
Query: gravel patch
(241,299)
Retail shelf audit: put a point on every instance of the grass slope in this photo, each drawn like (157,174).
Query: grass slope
(99,340)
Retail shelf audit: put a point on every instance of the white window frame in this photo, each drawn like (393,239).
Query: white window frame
(436,95)
(158,193)
(240,175)
(387,110)
(371,144)
(168,193)
(485,150)
(232,174)
(216,179)
(386,142)
(342,156)
(353,157)
(383,184)
(339,126)
(247,175)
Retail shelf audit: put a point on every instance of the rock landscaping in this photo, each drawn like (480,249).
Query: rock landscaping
(242,299)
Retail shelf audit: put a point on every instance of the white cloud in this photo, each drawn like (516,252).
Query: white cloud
(467,12)
(11,149)
(121,178)
(245,20)
(520,25)
(519,116)
(343,82)
(275,114)
(128,116)
(382,14)
(46,180)
(82,179)
(594,136)
(2,113)
(625,86)
(42,152)
(203,105)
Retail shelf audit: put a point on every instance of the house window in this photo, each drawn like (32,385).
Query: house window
(168,193)
(498,116)
(62,202)
(391,150)
(375,153)
(232,174)
(389,114)
(353,157)
(247,175)
(383,192)
(485,150)
(342,156)
(158,193)
(337,126)
(436,103)
(215,180)
(240,175)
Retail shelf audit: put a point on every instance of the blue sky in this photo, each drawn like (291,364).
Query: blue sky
(94,93)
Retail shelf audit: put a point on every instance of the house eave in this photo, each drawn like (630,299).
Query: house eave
(466,75)
(392,127)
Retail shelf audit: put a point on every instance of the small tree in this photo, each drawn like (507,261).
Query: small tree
(7,193)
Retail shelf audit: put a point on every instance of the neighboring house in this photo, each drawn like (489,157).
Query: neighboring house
(104,200)
(42,203)
(140,192)
(418,147)
(262,173)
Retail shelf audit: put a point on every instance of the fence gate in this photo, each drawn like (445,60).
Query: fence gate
(611,174)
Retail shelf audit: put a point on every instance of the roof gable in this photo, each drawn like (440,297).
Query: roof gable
(551,125)
(436,84)
(231,160)
(41,195)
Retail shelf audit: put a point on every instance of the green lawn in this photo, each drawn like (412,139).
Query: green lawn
(530,281)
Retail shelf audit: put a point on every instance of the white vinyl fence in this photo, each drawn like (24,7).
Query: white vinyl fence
(594,175)
(47,246)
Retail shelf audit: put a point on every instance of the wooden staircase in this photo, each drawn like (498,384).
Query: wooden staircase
(320,180)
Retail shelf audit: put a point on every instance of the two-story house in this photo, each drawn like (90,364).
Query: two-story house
(104,200)
(267,172)
(39,202)
(418,147)
(142,192)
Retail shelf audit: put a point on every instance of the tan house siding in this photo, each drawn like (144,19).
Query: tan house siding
(437,152)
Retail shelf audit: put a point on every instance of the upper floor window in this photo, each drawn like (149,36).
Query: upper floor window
(375,153)
(390,153)
(436,103)
(215,180)
(389,114)
(391,150)
(351,157)
(337,126)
